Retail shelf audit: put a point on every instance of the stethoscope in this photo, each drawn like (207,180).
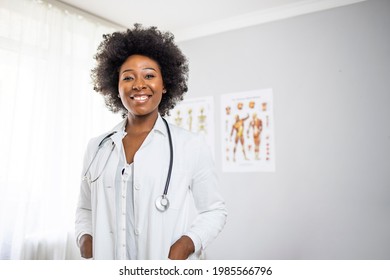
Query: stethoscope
(162,202)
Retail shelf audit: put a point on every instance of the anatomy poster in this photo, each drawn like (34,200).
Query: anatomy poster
(196,115)
(248,131)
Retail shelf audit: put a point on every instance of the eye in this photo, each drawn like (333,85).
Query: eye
(128,78)
(149,76)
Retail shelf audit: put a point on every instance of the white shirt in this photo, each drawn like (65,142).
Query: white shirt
(124,194)
(193,179)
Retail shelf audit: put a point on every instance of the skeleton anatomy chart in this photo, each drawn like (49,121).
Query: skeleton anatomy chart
(196,115)
(247,129)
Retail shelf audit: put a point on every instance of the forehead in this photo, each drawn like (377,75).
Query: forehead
(140,61)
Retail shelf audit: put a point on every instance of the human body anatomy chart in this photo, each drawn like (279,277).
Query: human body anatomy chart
(247,129)
(196,115)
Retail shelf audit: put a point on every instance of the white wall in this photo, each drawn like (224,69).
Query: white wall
(330,195)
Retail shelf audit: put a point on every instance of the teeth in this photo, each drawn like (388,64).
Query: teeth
(140,98)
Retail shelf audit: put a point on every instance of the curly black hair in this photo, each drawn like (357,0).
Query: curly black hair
(159,46)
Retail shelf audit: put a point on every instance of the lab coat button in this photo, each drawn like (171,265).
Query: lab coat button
(136,232)
(136,187)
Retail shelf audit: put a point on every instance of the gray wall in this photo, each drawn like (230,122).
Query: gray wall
(330,73)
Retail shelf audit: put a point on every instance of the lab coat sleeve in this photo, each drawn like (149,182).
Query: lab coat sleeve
(83,222)
(211,209)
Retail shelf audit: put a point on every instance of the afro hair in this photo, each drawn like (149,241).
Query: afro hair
(159,46)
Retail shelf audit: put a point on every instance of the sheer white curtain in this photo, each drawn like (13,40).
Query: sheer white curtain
(48,111)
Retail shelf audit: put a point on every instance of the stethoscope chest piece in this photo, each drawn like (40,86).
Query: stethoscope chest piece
(162,203)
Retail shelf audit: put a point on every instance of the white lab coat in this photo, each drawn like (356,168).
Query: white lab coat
(193,180)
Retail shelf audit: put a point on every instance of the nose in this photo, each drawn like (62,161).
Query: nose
(138,84)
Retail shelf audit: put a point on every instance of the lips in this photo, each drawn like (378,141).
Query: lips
(140,97)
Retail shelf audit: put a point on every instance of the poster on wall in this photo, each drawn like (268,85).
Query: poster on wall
(196,115)
(247,130)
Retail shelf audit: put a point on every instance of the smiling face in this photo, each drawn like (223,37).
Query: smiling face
(140,86)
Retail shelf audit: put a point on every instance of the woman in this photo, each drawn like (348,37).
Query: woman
(122,212)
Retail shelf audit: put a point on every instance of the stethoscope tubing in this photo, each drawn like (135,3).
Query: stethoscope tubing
(106,138)
(96,153)
(170,158)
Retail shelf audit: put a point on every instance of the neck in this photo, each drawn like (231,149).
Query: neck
(140,124)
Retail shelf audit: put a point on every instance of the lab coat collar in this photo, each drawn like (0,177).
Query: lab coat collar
(120,133)
(117,137)
(159,126)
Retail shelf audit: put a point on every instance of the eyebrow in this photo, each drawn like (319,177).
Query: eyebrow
(146,68)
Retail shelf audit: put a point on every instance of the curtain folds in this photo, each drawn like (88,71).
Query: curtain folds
(48,111)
